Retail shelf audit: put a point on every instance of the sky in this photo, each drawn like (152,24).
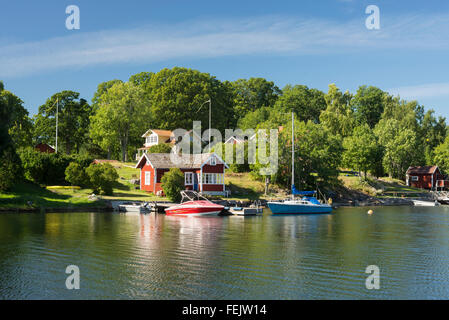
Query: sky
(314,43)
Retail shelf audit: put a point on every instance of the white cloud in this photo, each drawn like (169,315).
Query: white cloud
(218,38)
(430,90)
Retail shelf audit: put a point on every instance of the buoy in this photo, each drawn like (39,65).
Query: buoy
(370,211)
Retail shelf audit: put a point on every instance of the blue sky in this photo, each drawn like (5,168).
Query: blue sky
(314,43)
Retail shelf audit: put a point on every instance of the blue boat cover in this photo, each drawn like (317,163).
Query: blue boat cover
(302,193)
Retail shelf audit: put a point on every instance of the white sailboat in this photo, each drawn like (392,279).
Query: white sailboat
(306,202)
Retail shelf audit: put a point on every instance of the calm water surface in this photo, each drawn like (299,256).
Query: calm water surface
(268,257)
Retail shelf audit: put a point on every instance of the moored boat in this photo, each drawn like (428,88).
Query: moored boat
(308,203)
(194,204)
(424,203)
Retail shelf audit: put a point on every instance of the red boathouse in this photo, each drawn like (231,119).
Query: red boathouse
(425,177)
(202,172)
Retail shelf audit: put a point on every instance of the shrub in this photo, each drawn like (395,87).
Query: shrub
(160,148)
(10,168)
(76,175)
(101,177)
(173,184)
(48,168)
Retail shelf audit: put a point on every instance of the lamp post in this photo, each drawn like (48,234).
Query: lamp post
(210,115)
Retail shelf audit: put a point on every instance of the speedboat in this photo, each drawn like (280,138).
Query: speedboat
(194,204)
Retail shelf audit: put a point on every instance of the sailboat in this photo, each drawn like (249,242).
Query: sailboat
(306,202)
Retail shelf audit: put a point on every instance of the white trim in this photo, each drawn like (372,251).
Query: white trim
(216,155)
(188,173)
(147,178)
(155,180)
(414,180)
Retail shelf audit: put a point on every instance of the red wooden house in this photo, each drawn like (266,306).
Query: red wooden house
(45,148)
(202,172)
(425,177)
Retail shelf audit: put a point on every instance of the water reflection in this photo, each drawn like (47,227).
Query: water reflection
(264,257)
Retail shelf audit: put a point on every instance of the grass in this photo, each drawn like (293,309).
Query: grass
(383,187)
(244,187)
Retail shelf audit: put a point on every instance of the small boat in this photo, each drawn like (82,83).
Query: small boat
(135,207)
(245,211)
(426,203)
(194,204)
(308,203)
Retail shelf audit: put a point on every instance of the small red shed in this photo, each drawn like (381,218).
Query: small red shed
(425,177)
(202,172)
(45,148)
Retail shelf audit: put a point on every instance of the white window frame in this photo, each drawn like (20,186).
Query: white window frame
(188,174)
(147,178)
(213,161)
(414,178)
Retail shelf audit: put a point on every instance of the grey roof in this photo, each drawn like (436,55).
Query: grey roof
(164,161)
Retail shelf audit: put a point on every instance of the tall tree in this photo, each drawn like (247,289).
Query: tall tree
(177,94)
(73,120)
(338,116)
(19,124)
(306,103)
(252,94)
(368,105)
(361,149)
(399,145)
(121,117)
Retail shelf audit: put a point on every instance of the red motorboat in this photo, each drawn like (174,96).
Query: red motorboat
(194,204)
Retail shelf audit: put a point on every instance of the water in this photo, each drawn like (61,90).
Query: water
(268,257)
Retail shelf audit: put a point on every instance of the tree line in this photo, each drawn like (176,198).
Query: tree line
(370,131)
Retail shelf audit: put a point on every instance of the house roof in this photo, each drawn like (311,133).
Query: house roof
(422,170)
(163,160)
(164,133)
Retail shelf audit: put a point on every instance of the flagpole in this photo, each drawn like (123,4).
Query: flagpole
(57,112)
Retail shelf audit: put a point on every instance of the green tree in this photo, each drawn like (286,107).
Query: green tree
(399,145)
(73,121)
(177,94)
(361,149)
(20,126)
(368,104)
(173,184)
(433,132)
(441,156)
(121,118)
(306,103)
(338,116)
(252,94)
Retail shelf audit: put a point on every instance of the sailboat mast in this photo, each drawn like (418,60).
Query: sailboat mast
(293,150)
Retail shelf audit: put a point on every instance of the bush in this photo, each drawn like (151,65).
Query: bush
(10,168)
(48,168)
(102,178)
(76,175)
(160,148)
(173,184)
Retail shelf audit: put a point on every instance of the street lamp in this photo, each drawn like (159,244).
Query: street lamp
(210,115)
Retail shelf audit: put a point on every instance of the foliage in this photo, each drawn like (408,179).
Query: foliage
(338,116)
(10,168)
(48,168)
(441,157)
(177,94)
(361,149)
(249,95)
(121,118)
(399,146)
(173,184)
(368,104)
(76,175)
(73,121)
(160,148)
(101,177)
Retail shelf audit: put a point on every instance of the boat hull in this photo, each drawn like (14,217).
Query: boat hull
(285,208)
(196,208)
